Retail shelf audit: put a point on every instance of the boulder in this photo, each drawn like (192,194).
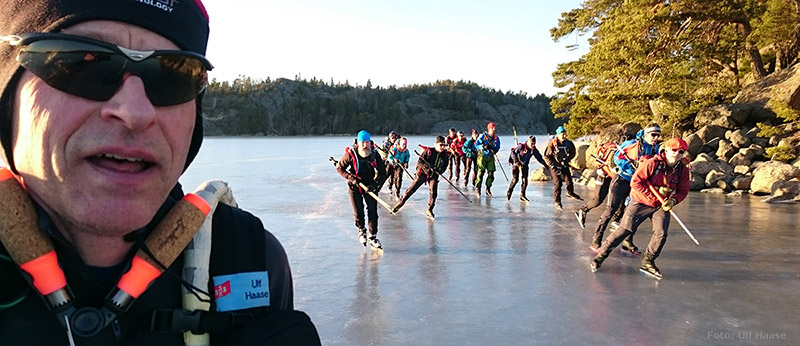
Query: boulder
(758,150)
(717,176)
(792,141)
(540,174)
(588,176)
(771,172)
(725,150)
(782,86)
(741,170)
(728,115)
(751,132)
(740,160)
(742,182)
(703,158)
(695,144)
(785,191)
(616,132)
(712,146)
(739,139)
(709,132)
(579,160)
(756,164)
(763,142)
(697,182)
(702,168)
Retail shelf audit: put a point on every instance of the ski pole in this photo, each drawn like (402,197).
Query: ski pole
(364,187)
(661,199)
(401,165)
(515,136)
(447,180)
(501,166)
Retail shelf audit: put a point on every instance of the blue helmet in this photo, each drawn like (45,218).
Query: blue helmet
(363,136)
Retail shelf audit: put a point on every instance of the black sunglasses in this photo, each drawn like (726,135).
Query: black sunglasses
(95,69)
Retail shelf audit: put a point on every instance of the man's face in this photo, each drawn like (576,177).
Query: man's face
(461,136)
(531,144)
(673,155)
(562,136)
(652,137)
(439,146)
(392,138)
(100,166)
(490,131)
(402,144)
(474,135)
(365,148)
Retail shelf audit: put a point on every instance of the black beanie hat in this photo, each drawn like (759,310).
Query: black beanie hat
(184,22)
(439,139)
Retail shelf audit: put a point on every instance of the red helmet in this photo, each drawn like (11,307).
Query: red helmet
(676,144)
(490,126)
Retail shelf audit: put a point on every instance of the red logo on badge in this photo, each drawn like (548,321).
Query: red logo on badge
(222,290)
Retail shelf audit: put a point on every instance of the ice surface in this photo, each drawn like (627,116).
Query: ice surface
(510,273)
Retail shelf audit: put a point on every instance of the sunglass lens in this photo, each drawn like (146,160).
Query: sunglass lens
(174,79)
(681,151)
(76,68)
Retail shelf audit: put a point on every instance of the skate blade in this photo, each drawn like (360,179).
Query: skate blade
(583,225)
(650,274)
(594,249)
(593,268)
(629,252)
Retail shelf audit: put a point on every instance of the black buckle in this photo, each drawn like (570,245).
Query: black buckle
(175,321)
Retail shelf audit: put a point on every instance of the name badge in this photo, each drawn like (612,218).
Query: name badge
(241,291)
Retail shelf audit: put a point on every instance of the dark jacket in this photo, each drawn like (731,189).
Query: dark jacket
(521,155)
(370,170)
(240,244)
(432,162)
(558,155)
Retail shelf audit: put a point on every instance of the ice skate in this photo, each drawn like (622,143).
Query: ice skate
(375,243)
(574,196)
(596,262)
(362,237)
(581,215)
(649,267)
(628,247)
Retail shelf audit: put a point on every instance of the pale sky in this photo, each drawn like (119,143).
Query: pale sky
(500,44)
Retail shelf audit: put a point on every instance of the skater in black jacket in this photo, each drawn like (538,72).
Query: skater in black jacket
(430,165)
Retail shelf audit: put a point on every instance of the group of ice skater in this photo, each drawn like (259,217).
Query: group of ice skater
(634,173)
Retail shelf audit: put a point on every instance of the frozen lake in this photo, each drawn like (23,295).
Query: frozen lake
(509,273)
